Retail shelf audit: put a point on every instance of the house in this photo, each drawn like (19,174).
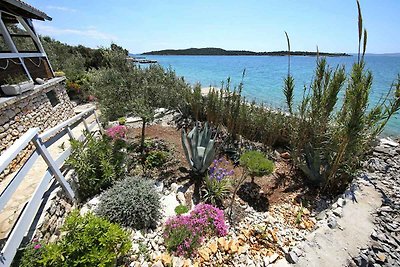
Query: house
(31,95)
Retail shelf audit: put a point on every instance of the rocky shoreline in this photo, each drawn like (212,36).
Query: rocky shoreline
(383,172)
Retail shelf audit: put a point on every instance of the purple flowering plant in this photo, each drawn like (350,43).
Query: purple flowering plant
(218,170)
(216,184)
(183,234)
(117,132)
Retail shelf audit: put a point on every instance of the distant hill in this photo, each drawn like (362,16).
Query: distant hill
(211,51)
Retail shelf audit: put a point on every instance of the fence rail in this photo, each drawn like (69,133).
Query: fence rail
(42,142)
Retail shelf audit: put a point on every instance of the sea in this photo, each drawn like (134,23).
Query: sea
(264,75)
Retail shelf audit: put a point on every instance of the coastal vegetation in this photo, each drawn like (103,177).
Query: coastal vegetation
(223,158)
(212,51)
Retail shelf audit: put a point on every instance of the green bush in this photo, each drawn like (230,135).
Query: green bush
(89,241)
(132,202)
(97,163)
(256,163)
(155,159)
(29,256)
(181,209)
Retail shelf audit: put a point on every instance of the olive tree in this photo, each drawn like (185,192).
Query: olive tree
(123,88)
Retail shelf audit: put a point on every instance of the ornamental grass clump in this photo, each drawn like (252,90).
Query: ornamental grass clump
(216,183)
(183,234)
(132,202)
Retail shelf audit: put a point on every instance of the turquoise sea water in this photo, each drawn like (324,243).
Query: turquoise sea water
(264,75)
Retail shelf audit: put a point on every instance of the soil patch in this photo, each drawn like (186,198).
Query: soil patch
(283,185)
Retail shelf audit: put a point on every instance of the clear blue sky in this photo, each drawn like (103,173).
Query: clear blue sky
(145,25)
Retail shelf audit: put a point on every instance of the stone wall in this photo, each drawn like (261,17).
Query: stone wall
(29,110)
(57,207)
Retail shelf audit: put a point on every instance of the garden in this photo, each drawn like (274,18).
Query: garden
(210,180)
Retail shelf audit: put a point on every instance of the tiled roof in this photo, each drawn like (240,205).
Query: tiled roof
(21,8)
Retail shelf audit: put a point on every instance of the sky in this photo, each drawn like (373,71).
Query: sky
(147,25)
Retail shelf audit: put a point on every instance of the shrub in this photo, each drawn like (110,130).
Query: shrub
(216,184)
(117,132)
(155,159)
(330,137)
(89,241)
(181,209)
(30,255)
(183,234)
(97,163)
(256,163)
(132,202)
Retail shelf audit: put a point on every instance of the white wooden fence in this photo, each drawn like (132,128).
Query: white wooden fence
(42,142)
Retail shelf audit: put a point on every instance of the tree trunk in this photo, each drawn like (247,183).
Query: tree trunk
(241,180)
(143,135)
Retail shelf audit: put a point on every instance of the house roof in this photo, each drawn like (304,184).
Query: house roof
(17,7)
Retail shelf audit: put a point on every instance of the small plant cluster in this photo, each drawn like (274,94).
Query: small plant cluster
(89,241)
(98,162)
(181,209)
(183,234)
(30,255)
(216,184)
(122,120)
(132,202)
(155,159)
(155,154)
(16,79)
(256,164)
(117,132)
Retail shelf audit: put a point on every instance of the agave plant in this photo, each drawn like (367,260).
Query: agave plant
(199,147)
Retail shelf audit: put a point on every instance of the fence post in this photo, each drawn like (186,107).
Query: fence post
(53,167)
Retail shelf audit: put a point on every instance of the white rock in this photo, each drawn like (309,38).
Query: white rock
(157,264)
(94,202)
(341,202)
(338,212)
(159,185)
(176,261)
(389,142)
(174,187)
(135,247)
(169,203)
(181,198)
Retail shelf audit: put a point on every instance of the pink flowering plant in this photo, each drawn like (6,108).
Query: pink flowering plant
(117,132)
(183,234)
(31,254)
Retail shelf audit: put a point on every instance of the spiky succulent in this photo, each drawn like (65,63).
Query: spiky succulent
(199,147)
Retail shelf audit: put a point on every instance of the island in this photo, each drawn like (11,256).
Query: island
(211,51)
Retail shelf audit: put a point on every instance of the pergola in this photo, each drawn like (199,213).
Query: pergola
(21,52)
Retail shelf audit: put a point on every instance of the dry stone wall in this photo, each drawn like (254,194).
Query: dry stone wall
(55,211)
(33,109)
